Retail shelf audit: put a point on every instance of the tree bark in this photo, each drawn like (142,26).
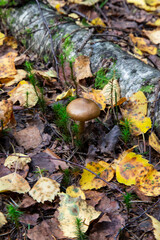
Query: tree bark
(133,73)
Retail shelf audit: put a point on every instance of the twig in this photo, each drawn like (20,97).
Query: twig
(86,39)
(136,218)
(50,35)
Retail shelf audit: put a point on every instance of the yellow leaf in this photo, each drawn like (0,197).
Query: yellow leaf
(142,4)
(90,181)
(14,183)
(154,142)
(143,44)
(156,226)
(2,37)
(149,183)
(98,22)
(17,160)
(25,94)
(70,93)
(154,35)
(72,208)
(153,2)
(131,167)
(21,74)
(140,124)
(84,2)
(156,23)
(75,192)
(10,41)
(3,220)
(45,189)
(96,96)
(7,66)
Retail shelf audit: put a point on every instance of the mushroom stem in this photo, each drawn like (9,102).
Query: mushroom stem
(81,127)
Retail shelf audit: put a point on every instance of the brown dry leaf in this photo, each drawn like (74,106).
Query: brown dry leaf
(6,114)
(131,167)
(72,208)
(17,160)
(149,183)
(96,96)
(7,66)
(111,92)
(3,220)
(28,218)
(14,183)
(153,35)
(25,94)
(156,226)
(84,2)
(55,158)
(82,68)
(29,137)
(46,230)
(143,44)
(21,74)
(154,142)
(75,192)
(45,189)
(90,181)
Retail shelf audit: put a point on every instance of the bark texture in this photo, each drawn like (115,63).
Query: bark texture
(133,73)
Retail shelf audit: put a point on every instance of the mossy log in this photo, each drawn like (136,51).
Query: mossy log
(133,73)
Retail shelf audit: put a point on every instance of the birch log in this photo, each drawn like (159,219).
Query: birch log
(133,73)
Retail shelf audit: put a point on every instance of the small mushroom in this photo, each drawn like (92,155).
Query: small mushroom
(82,109)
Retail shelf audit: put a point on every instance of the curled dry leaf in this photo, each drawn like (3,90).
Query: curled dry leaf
(90,181)
(154,142)
(14,183)
(72,208)
(17,160)
(70,93)
(25,94)
(3,220)
(156,226)
(6,114)
(45,189)
(21,74)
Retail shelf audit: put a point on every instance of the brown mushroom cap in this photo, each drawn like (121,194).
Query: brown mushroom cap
(82,109)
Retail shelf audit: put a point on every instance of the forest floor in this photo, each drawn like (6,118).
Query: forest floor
(107,202)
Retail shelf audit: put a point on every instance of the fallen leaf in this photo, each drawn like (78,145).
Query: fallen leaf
(72,208)
(14,183)
(55,160)
(7,66)
(2,37)
(17,160)
(21,74)
(98,22)
(143,44)
(82,68)
(6,114)
(11,41)
(153,2)
(84,2)
(142,4)
(30,219)
(90,181)
(29,137)
(149,182)
(48,76)
(111,92)
(153,35)
(45,189)
(25,94)
(75,192)
(131,167)
(96,96)
(3,220)
(70,93)
(156,226)
(154,142)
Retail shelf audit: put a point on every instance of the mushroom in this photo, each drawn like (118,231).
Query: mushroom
(82,109)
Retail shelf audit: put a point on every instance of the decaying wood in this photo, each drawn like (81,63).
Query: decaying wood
(133,73)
